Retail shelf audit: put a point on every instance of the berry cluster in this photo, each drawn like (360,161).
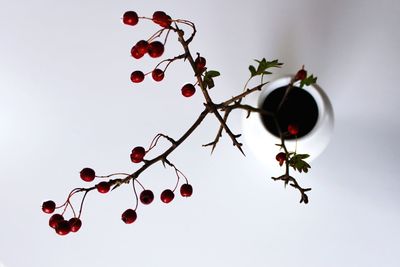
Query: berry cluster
(146,197)
(155,47)
(57,221)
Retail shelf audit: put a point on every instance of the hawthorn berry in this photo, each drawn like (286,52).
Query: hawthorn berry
(146,197)
(188,90)
(167,196)
(293,129)
(137,76)
(103,187)
(63,227)
(162,19)
(186,190)
(155,49)
(141,46)
(130,18)
(281,157)
(48,206)
(301,75)
(87,174)
(200,63)
(135,53)
(129,216)
(55,219)
(158,75)
(75,224)
(137,154)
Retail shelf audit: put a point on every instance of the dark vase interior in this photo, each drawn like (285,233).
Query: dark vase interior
(299,108)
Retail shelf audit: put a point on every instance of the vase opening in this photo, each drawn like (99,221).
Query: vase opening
(299,108)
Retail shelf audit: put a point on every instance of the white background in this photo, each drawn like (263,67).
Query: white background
(66,102)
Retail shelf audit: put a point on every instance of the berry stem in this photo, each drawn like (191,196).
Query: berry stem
(135,192)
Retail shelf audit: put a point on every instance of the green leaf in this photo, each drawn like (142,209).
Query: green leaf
(212,73)
(208,78)
(298,164)
(252,70)
(262,67)
(308,81)
(209,83)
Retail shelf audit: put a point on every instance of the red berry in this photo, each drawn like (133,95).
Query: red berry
(281,157)
(157,75)
(75,224)
(137,154)
(155,49)
(87,174)
(167,196)
(141,46)
(188,90)
(129,216)
(137,76)
(162,19)
(146,197)
(55,219)
(103,187)
(130,18)
(200,63)
(293,129)
(48,206)
(186,190)
(301,75)
(135,53)
(63,227)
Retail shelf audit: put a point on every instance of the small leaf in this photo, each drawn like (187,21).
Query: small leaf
(210,83)
(252,70)
(263,65)
(212,73)
(303,156)
(308,81)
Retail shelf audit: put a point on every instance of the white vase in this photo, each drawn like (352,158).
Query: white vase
(263,144)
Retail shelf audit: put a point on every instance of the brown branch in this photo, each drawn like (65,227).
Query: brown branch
(288,89)
(242,95)
(211,106)
(287,178)
(219,133)
(163,156)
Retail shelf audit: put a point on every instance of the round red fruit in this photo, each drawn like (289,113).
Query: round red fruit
(301,75)
(135,53)
(162,19)
(293,129)
(141,46)
(129,216)
(137,76)
(146,197)
(186,190)
(167,196)
(130,18)
(188,90)
(87,174)
(103,187)
(137,154)
(155,49)
(281,157)
(200,63)
(75,224)
(63,228)
(55,219)
(158,75)
(48,206)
